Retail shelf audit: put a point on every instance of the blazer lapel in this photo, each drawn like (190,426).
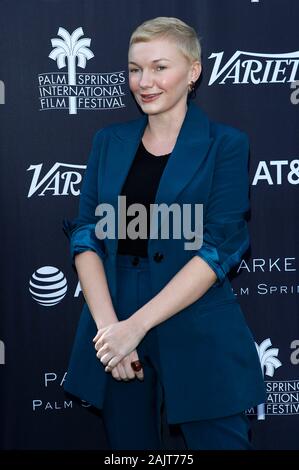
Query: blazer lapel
(122,147)
(189,152)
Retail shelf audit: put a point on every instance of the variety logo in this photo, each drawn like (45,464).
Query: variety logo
(254,68)
(56,182)
(71,90)
(276,172)
(48,286)
(2,92)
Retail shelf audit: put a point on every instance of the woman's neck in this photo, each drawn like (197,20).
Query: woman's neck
(165,127)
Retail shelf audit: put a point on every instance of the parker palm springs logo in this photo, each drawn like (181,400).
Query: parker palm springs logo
(71,90)
(254,68)
(269,362)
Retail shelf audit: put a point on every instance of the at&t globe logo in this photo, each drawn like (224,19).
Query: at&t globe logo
(48,286)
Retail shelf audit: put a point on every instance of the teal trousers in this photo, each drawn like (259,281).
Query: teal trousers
(132,410)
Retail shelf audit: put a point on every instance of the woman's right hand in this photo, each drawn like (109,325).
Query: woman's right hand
(123,370)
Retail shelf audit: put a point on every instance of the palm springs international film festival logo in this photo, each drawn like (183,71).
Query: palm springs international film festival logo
(282,395)
(254,68)
(72,90)
(48,286)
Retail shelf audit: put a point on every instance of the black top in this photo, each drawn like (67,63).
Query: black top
(140,187)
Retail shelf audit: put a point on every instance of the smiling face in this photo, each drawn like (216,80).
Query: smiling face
(159,75)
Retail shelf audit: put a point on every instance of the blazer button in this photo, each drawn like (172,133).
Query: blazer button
(158,257)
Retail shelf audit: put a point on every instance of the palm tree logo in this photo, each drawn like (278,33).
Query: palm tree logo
(269,362)
(71,47)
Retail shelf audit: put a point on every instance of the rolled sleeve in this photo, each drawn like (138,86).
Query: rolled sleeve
(225,230)
(83,238)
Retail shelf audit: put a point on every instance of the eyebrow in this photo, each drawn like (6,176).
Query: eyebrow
(155,60)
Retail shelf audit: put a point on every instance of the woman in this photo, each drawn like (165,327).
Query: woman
(160,323)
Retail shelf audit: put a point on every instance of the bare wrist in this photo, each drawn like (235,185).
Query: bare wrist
(102,320)
(141,320)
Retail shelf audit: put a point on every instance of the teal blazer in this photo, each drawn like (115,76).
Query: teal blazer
(209,361)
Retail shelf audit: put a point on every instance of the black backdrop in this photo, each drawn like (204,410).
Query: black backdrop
(250,68)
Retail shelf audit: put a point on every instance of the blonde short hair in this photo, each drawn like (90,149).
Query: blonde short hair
(183,35)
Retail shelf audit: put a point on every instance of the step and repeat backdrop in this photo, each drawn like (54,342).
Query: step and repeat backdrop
(63,76)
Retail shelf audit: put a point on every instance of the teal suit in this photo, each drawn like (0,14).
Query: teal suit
(210,367)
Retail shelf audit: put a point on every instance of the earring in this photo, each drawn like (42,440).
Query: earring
(191,86)
(191,89)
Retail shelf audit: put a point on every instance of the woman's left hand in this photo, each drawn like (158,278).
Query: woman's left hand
(115,341)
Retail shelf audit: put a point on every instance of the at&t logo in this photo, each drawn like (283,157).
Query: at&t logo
(48,286)
(277,172)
